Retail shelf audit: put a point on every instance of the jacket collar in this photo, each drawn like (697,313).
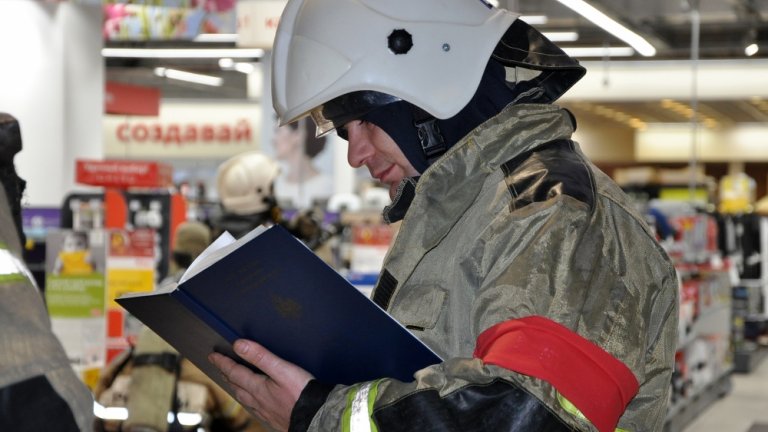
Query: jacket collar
(516,130)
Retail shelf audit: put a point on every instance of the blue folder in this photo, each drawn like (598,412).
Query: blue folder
(275,291)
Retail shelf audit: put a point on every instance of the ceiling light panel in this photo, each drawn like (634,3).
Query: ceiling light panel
(189,77)
(611,26)
(179,53)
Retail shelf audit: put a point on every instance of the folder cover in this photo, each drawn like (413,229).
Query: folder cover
(270,288)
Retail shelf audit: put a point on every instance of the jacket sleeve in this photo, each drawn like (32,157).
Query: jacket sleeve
(648,410)
(440,399)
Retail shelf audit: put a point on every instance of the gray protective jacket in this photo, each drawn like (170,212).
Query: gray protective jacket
(39,390)
(514,222)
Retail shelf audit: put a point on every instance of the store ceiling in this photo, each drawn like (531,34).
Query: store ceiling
(725,28)
(714,113)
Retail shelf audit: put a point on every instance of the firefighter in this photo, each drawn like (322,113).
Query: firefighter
(39,390)
(518,261)
(246,187)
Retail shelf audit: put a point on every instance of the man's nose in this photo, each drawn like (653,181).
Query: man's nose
(358,150)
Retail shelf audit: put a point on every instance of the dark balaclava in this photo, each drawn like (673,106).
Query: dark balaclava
(397,118)
(10,144)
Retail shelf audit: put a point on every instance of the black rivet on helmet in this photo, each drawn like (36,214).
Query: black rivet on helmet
(400,41)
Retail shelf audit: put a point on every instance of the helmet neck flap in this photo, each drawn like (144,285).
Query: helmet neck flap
(424,138)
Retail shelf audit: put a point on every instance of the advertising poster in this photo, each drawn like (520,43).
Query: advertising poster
(75,296)
(36,222)
(184,130)
(174,19)
(306,165)
(130,269)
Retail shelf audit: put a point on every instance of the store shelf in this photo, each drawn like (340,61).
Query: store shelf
(757,283)
(711,321)
(686,410)
(745,361)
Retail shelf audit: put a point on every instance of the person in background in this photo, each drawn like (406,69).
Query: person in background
(303,182)
(152,380)
(521,264)
(246,185)
(39,390)
(191,239)
(246,188)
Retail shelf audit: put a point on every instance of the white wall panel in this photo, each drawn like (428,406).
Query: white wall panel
(33,91)
(655,80)
(52,81)
(675,143)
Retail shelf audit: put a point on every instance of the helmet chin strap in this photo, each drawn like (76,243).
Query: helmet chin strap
(430,137)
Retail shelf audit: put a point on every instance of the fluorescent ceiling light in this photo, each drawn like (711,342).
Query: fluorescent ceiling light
(230,64)
(534,19)
(611,26)
(189,77)
(600,51)
(751,49)
(562,36)
(182,53)
(216,37)
(244,67)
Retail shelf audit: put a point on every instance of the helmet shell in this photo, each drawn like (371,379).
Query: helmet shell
(245,183)
(328,48)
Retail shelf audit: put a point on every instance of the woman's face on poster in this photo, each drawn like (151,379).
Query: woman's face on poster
(74,242)
(287,142)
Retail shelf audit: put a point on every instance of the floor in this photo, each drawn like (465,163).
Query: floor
(744,409)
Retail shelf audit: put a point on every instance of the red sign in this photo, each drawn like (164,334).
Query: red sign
(124,174)
(131,99)
(139,243)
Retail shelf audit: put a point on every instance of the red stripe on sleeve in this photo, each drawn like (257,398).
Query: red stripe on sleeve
(594,381)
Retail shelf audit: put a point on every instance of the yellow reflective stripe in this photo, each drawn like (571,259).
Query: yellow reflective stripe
(357,413)
(360,418)
(572,410)
(374,391)
(11,268)
(347,415)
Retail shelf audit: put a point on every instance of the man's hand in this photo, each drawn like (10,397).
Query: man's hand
(270,397)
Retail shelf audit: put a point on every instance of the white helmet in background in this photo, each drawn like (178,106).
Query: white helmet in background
(366,53)
(245,183)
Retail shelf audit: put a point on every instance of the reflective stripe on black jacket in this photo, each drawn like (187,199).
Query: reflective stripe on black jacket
(39,390)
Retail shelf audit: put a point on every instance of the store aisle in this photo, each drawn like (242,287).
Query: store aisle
(744,409)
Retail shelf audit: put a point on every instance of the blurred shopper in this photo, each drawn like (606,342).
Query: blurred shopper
(518,261)
(39,390)
(152,380)
(190,240)
(246,188)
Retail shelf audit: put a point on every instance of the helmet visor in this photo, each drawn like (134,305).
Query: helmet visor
(346,108)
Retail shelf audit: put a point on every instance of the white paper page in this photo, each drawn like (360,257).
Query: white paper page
(220,247)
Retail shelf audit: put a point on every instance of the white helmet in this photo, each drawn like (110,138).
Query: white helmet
(245,183)
(422,51)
